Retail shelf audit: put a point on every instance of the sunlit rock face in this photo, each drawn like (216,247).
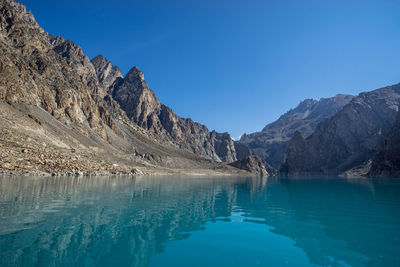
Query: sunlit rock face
(347,141)
(144,108)
(270,144)
(106,72)
(42,70)
(60,105)
(253,164)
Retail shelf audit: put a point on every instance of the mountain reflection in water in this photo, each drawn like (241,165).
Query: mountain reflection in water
(181,221)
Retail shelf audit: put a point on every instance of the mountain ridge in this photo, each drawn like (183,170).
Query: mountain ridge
(386,162)
(348,140)
(62,113)
(270,143)
(57,117)
(144,108)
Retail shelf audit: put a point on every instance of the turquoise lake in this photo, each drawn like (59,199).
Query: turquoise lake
(199,221)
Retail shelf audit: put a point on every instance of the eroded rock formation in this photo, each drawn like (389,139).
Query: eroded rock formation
(253,164)
(348,139)
(144,108)
(270,144)
(59,115)
(386,163)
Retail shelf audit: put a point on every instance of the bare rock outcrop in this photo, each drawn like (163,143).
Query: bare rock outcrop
(386,162)
(253,164)
(348,139)
(144,108)
(106,72)
(42,70)
(56,113)
(271,143)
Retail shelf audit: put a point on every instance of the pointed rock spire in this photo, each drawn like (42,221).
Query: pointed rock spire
(106,72)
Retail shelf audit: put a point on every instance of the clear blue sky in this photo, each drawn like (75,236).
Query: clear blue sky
(237,65)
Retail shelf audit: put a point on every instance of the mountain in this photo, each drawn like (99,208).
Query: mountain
(346,142)
(270,144)
(386,163)
(252,164)
(58,116)
(144,109)
(106,72)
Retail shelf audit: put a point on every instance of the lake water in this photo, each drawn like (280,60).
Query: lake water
(198,221)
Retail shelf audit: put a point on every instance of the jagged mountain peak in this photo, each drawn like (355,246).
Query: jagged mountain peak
(100,62)
(100,58)
(307,102)
(348,140)
(144,108)
(312,109)
(106,72)
(47,71)
(135,75)
(72,107)
(17,12)
(270,143)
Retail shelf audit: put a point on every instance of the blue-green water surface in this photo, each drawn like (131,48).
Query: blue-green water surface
(199,221)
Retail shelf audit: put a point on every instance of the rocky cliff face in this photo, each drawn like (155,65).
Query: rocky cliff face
(270,144)
(57,114)
(106,72)
(143,107)
(346,140)
(48,72)
(386,163)
(252,164)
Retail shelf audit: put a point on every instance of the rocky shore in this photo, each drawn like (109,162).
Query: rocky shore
(63,114)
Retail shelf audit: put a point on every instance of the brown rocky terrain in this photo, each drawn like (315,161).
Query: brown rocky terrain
(346,142)
(57,115)
(33,142)
(62,113)
(270,143)
(254,164)
(106,72)
(144,109)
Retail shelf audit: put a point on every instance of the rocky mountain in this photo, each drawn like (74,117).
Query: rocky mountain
(252,164)
(347,141)
(270,144)
(386,163)
(57,114)
(106,72)
(61,112)
(144,109)
(46,71)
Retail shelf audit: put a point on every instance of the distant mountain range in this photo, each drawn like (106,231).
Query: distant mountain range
(62,113)
(347,142)
(270,144)
(343,135)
